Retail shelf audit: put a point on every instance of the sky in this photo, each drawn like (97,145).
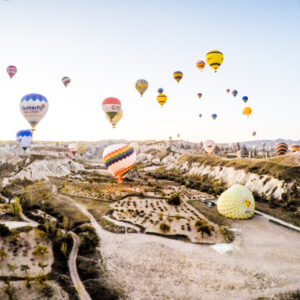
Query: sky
(105,46)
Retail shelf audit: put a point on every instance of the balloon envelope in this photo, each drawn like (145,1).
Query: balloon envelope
(24,138)
(281,148)
(214,59)
(161,99)
(111,106)
(295,148)
(209,146)
(141,85)
(119,159)
(199,95)
(115,119)
(34,107)
(66,81)
(11,70)
(245,99)
(228,90)
(254,133)
(236,203)
(160,90)
(177,75)
(234,93)
(72,148)
(81,147)
(247,111)
(214,116)
(200,64)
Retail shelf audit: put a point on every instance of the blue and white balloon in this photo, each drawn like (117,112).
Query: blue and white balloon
(33,108)
(24,138)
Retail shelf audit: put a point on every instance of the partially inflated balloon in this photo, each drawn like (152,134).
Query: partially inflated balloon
(161,99)
(281,148)
(214,116)
(115,119)
(200,65)
(177,75)
(34,107)
(209,146)
(119,159)
(141,85)
(236,203)
(199,95)
(81,147)
(111,106)
(66,81)
(245,99)
(11,70)
(24,138)
(72,148)
(234,93)
(247,111)
(214,59)
(160,90)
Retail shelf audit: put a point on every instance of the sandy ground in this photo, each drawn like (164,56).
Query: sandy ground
(265,260)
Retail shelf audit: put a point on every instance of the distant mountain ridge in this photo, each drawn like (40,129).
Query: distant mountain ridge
(269,143)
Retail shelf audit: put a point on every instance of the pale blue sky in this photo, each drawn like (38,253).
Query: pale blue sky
(105,46)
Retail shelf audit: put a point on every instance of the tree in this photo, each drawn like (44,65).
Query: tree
(42,266)
(164,227)
(24,268)
(16,207)
(3,254)
(174,200)
(41,279)
(40,250)
(12,268)
(27,281)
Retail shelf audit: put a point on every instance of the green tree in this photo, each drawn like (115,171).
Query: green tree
(12,268)
(3,254)
(40,251)
(27,229)
(41,279)
(42,266)
(16,207)
(24,268)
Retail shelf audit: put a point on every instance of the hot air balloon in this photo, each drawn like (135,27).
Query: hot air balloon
(199,95)
(209,146)
(111,106)
(178,135)
(160,90)
(200,115)
(11,70)
(161,99)
(119,159)
(141,85)
(245,99)
(214,116)
(72,148)
(227,90)
(214,59)
(236,203)
(24,138)
(170,138)
(295,148)
(200,64)
(247,111)
(34,107)
(234,93)
(281,148)
(254,133)
(81,148)
(115,119)
(66,81)
(135,146)
(177,76)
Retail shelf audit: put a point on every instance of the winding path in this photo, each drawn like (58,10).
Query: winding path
(83,294)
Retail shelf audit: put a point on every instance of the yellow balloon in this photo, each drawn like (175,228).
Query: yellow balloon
(81,147)
(214,59)
(161,99)
(247,111)
(114,120)
(141,85)
(177,75)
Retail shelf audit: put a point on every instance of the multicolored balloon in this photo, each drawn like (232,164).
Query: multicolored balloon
(177,76)
(119,159)
(72,148)
(209,146)
(214,59)
(199,95)
(214,116)
(11,70)
(66,81)
(81,147)
(245,99)
(24,138)
(115,119)
(141,85)
(200,64)
(161,99)
(281,148)
(234,93)
(247,111)
(34,107)
(160,90)
(111,106)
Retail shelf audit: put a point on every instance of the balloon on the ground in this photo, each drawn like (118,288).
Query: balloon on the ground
(161,99)
(119,159)
(227,90)
(66,81)
(34,107)
(199,95)
(111,106)
(245,99)
(11,70)
(214,59)
(200,64)
(24,138)
(281,148)
(295,148)
(72,148)
(234,93)
(81,147)
(115,119)
(214,116)
(141,85)
(247,111)
(177,75)
(160,90)
(254,133)
(209,146)
(135,146)
(236,203)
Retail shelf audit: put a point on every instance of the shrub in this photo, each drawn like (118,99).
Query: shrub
(4,230)
(284,197)
(174,200)
(164,227)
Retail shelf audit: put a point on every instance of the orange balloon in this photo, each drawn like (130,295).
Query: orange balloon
(247,111)
(200,64)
